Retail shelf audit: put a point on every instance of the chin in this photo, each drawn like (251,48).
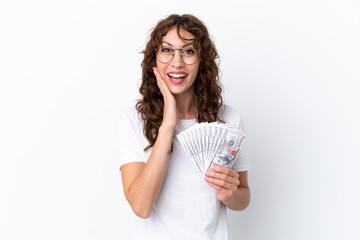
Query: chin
(180,90)
(176,91)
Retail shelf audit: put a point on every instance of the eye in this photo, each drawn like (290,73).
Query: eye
(166,50)
(189,51)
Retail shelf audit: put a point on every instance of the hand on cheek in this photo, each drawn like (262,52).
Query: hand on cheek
(224,180)
(170,117)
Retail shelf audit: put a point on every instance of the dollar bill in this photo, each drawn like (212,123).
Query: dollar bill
(210,144)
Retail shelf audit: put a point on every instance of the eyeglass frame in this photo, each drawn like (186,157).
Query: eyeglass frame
(173,54)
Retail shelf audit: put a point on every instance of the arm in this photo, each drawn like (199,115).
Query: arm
(231,187)
(142,182)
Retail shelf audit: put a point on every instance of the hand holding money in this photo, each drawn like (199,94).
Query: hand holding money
(224,180)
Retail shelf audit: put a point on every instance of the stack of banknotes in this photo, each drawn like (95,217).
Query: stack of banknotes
(211,143)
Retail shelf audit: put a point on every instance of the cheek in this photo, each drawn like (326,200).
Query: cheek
(195,70)
(162,71)
(195,73)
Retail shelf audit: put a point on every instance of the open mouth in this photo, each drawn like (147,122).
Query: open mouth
(177,78)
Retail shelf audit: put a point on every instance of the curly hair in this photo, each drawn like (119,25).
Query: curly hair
(206,86)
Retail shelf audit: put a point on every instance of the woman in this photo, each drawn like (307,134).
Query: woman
(179,88)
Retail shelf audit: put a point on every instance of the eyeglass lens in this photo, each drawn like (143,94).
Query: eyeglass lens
(166,53)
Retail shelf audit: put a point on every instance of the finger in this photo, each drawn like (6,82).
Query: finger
(220,183)
(156,73)
(224,177)
(159,81)
(164,88)
(224,170)
(217,188)
(160,87)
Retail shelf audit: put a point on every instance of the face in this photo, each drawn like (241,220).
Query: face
(178,76)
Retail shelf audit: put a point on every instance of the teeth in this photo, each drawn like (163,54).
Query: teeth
(177,75)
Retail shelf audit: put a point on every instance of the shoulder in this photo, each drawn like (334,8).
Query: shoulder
(129,116)
(129,111)
(232,117)
(229,114)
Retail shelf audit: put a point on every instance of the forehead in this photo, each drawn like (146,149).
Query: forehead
(173,38)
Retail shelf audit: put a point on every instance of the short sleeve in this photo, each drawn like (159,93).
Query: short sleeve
(130,139)
(241,162)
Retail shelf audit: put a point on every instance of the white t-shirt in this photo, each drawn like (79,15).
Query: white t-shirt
(187,207)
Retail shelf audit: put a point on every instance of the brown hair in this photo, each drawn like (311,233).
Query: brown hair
(206,87)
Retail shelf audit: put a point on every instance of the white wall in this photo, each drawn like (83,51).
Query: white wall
(290,67)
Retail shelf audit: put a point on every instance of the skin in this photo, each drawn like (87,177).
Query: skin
(143,181)
(182,94)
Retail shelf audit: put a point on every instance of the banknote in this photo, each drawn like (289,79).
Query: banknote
(210,144)
(228,149)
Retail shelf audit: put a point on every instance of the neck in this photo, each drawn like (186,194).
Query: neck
(186,105)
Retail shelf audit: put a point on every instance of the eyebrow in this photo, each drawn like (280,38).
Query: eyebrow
(183,46)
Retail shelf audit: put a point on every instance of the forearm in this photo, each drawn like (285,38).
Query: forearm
(239,200)
(145,189)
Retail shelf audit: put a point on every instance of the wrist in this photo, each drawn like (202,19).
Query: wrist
(167,128)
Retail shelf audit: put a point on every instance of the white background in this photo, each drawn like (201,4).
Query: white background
(67,67)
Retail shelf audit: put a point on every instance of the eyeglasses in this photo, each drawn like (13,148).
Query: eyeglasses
(165,54)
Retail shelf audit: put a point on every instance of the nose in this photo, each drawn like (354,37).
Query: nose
(177,59)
